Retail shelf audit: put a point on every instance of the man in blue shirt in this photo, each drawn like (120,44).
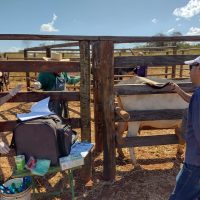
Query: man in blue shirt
(141,70)
(188,179)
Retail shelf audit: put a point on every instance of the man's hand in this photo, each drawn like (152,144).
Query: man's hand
(175,87)
(15,90)
(185,96)
(4,149)
(37,85)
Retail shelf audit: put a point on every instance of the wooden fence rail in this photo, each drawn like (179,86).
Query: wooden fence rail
(9,125)
(39,66)
(151,115)
(130,89)
(140,141)
(168,60)
(117,39)
(37,96)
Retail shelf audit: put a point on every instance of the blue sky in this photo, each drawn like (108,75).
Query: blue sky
(97,17)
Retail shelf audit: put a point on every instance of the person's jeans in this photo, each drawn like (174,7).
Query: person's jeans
(187,184)
(59,107)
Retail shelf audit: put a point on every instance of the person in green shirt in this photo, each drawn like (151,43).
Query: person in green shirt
(55,81)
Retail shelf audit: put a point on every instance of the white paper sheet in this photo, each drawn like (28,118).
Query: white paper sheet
(38,109)
(82,148)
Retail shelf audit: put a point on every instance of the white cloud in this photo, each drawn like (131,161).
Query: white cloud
(49,27)
(54,17)
(178,19)
(179,25)
(191,9)
(171,30)
(194,31)
(13,49)
(154,20)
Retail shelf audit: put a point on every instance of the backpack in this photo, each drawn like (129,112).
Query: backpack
(43,138)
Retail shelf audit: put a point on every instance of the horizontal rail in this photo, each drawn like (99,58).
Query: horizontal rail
(152,115)
(39,66)
(37,96)
(69,44)
(118,39)
(10,124)
(159,74)
(133,89)
(140,141)
(166,60)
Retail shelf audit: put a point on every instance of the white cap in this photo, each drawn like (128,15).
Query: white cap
(196,60)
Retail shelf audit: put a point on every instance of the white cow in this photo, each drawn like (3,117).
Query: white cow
(150,102)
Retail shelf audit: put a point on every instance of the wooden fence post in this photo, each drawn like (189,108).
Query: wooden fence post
(48,52)
(85,105)
(174,66)
(5,56)
(28,82)
(96,95)
(166,67)
(103,60)
(181,66)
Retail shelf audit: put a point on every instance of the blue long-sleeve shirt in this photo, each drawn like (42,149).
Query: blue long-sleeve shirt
(192,137)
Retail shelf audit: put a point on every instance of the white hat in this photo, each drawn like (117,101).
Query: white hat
(55,57)
(190,62)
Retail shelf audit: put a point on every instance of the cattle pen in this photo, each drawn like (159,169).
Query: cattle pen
(103,63)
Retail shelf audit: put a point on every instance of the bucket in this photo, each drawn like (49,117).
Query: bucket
(25,195)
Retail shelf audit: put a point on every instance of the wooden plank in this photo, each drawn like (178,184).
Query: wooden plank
(46,37)
(137,89)
(146,48)
(174,66)
(28,82)
(15,59)
(39,66)
(136,39)
(85,90)
(140,141)
(48,52)
(86,172)
(37,96)
(118,39)
(181,68)
(104,72)
(98,115)
(68,44)
(166,60)
(166,71)
(9,125)
(122,49)
(160,74)
(151,115)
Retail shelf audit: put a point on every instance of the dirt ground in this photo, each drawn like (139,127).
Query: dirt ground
(153,180)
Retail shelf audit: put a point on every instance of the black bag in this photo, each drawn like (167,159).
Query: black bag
(43,138)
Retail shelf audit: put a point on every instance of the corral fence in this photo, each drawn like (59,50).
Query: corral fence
(103,64)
